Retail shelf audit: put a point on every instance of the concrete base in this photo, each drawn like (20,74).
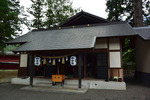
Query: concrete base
(90,84)
(55,89)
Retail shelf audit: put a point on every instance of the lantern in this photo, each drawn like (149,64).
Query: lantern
(73,60)
(37,61)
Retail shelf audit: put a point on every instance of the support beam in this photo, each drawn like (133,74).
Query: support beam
(31,69)
(84,65)
(79,69)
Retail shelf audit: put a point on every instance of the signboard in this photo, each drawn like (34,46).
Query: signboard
(73,60)
(37,61)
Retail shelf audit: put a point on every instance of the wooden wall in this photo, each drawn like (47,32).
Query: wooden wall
(22,70)
(113,46)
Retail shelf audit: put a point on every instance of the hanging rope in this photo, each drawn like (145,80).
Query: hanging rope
(57,57)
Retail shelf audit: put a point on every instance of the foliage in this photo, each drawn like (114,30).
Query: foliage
(146,7)
(36,10)
(55,12)
(11,47)
(58,11)
(147,21)
(117,9)
(128,54)
(124,10)
(10,22)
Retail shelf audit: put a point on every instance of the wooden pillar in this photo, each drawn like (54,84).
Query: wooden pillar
(109,70)
(79,69)
(84,65)
(31,70)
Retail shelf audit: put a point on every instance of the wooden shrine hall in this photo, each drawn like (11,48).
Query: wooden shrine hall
(85,46)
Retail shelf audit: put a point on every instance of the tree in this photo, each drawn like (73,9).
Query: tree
(129,54)
(125,10)
(117,9)
(10,22)
(36,10)
(138,18)
(58,11)
(146,6)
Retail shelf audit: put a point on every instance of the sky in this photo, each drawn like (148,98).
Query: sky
(96,7)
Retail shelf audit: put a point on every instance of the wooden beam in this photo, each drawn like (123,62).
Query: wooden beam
(84,65)
(79,69)
(31,70)
(108,59)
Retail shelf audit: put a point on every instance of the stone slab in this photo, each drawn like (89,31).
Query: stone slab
(55,89)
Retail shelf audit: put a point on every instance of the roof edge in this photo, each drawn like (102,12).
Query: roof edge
(82,26)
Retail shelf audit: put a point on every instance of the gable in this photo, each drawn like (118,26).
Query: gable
(83,18)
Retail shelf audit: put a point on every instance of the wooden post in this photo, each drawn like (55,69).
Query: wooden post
(31,70)
(79,69)
(84,65)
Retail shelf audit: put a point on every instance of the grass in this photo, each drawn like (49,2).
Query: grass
(6,75)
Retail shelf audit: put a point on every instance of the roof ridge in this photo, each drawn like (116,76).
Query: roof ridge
(81,26)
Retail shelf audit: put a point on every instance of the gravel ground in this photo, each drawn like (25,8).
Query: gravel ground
(135,91)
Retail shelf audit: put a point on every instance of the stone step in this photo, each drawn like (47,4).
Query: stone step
(68,85)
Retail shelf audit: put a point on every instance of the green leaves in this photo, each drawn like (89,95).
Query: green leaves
(57,12)
(128,54)
(119,10)
(36,10)
(10,22)
(50,13)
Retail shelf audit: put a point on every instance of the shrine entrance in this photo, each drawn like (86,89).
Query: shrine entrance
(60,64)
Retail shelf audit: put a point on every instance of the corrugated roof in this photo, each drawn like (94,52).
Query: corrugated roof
(71,38)
(143,32)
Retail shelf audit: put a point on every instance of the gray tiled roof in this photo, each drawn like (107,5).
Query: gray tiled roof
(71,38)
(143,32)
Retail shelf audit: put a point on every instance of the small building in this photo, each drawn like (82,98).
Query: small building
(143,54)
(83,47)
(9,60)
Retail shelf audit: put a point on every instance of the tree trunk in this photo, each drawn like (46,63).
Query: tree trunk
(138,18)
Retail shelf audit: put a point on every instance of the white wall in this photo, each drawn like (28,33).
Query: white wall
(115,56)
(101,43)
(114,44)
(23,60)
(115,59)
